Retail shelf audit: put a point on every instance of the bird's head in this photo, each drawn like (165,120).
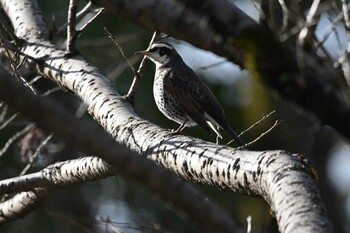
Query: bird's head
(160,53)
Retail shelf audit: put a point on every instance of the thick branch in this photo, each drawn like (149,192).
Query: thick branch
(60,174)
(30,16)
(21,204)
(66,173)
(92,139)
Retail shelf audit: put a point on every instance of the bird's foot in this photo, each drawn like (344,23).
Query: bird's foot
(175,132)
(217,140)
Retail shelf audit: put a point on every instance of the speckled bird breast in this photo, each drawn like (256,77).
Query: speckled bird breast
(165,101)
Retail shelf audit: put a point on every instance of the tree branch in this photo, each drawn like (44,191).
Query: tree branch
(72,34)
(140,71)
(60,174)
(21,204)
(92,139)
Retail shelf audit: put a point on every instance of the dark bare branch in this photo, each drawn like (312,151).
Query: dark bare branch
(72,33)
(139,73)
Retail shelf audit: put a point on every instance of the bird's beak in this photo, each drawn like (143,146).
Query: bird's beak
(145,53)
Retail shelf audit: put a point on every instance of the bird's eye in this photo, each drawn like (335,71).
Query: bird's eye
(162,52)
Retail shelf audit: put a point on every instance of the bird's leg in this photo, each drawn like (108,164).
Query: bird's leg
(181,127)
(217,139)
(218,136)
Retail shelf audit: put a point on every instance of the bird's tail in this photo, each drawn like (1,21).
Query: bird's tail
(222,123)
(215,129)
(232,133)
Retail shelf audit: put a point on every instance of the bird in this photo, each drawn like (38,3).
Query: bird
(182,96)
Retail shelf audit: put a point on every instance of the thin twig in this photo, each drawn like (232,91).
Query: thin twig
(15,137)
(8,121)
(346,21)
(38,77)
(120,49)
(116,72)
(11,47)
(97,13)
(50,91)
(310,21)
(285,16)
(277,123)
(79,113)
(9,30)
(212,65)
(26,129)
(343,59)
(253,125)
(330,30)
(142,228)
(21,62)
(320,46)
(71,221)
(8,54)
(16,67)
(137,76)
(256,5)
(8,46)
(305,33)
(80,15)
(27,84)
(249,224)
(35,156)
(258,122)
(72,34)
(3,112)
(114,226)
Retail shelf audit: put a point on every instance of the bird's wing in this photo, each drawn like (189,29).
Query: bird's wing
(201,93)
(192,96)
(198,102)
